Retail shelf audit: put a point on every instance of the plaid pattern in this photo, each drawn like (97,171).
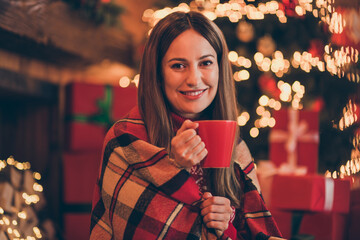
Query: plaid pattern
(142,194)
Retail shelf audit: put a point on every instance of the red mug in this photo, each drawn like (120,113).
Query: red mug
(218,136)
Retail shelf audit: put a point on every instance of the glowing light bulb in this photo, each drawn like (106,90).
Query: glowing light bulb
(124,82)
(233,56)
(243,75)
(241,120)
(260,110)
(22,215)
(263,100)
(254,132)
(37,175)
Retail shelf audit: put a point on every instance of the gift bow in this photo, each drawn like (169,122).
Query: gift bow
(297,131)
(329,194)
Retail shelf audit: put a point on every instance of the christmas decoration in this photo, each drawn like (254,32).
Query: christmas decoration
(310,193)
(91,111)
(266,45)
(294,140)
(99,11)
(245,31)
(22,203)
(305,225)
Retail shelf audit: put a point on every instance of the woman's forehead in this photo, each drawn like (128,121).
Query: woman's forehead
(190,42)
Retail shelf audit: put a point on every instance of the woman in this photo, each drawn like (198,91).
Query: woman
(151,185)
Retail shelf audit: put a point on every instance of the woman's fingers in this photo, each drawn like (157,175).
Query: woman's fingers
(222,226)
(186,146)
(187,124)
(216,211)
(214,201)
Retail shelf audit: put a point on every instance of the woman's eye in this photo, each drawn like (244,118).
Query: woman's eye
(206,63)
(177,66)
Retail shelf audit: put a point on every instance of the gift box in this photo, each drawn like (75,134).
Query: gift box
(91,109)
(80,174)
(294,139)
(354,219)
(265,173)
(355,197)
(311,225)
(311,193)
(77,226)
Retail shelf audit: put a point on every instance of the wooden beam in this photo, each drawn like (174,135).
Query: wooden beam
(14,85)
(52,29)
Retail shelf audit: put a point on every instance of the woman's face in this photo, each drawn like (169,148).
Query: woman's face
(191,74)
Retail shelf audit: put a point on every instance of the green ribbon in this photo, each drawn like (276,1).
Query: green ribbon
(103,116)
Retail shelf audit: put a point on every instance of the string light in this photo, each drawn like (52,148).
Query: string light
(10,219)
(349,115)
(254,132)
(125,81)
(349,169)
(243,118)
(37,187)
(37,175)
(235,9)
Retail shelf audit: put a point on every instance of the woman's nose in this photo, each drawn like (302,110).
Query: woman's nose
(194,77)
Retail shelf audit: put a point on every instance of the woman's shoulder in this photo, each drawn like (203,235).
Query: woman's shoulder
(131,123)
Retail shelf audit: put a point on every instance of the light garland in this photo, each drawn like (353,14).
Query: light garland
(289,93)
(19,213)
(349,169)
(125,81)
(349,116)
(234,10)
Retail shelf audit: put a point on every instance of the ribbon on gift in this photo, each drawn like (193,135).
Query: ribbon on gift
(103,116)
(329,194)
(268,169)
(297,131)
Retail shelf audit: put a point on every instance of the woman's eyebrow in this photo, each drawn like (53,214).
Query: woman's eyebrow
(183,59)
(177,59)
(207,55)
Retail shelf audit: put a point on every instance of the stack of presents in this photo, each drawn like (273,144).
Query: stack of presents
(305,204)
(91,110)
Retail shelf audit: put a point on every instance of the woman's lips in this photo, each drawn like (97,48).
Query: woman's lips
(194,94)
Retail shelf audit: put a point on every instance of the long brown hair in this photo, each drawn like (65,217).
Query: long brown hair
(154,106)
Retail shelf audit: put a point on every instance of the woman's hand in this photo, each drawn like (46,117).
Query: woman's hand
(216,212)
(187,147)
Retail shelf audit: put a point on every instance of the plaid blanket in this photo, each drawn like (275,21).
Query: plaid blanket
(142,194)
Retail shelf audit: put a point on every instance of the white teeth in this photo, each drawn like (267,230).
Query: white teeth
(193,93)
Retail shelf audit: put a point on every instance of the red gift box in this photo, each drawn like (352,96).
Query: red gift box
(355,197)
(77,226)
(294,139)
(322,226)
(85,136)
(80,174)
(354,219)
(310,192)
(283,220)
(91,110)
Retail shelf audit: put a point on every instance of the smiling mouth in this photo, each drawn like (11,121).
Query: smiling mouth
(193,93)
